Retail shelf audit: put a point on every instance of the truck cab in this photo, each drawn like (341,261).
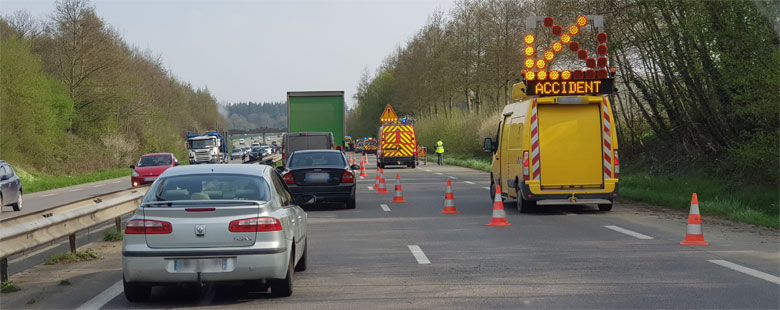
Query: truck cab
(209,148)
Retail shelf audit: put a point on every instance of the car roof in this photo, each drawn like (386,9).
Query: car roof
(253,170)
(155,154)
(317,151)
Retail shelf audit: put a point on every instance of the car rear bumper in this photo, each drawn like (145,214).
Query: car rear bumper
(332,193)
(579,198)
(159,267)
(396,160)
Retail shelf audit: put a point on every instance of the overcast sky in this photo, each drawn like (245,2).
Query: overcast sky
(259,50)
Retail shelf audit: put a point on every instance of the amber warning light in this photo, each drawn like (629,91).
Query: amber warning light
(540,77)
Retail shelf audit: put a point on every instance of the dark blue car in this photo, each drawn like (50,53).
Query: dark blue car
(10,187)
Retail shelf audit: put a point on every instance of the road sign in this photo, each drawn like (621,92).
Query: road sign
(389,115)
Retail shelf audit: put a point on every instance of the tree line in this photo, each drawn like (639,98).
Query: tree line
(252,115)
(75,97)
(697,80)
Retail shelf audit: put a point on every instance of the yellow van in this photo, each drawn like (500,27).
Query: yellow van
(556,150)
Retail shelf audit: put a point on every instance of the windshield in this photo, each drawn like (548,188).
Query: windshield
(156,160)
(201,144)
(209,187)
(257,149)
(317,159)
(371,143)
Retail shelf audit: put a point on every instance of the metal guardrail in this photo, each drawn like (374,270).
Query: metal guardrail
(31,230)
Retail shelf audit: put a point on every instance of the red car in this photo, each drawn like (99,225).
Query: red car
(150,166)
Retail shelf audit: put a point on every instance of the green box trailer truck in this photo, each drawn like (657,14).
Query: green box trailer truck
(316,111)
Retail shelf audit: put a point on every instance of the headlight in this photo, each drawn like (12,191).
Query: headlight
(135,173)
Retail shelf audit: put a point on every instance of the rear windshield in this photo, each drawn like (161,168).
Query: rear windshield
(156,160)
(371,143)
(209,187)
(317,160)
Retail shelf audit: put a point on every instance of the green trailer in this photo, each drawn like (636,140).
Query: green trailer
(316,111)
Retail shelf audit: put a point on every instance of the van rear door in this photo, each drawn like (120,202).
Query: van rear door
(570,146)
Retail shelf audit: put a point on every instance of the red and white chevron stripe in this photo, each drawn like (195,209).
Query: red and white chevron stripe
(607,134)
(535,165)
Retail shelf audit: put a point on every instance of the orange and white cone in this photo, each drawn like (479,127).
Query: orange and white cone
(694,236)
(499,215)
(382,187)
(399,196)
(351,160)
(376,184)
(363,173)
(449,200)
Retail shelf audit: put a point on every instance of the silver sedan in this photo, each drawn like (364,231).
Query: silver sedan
(213,223)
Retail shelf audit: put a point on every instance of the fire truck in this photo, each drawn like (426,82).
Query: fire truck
(397,141)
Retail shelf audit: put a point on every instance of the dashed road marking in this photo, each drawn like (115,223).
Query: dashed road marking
(419,255)
(439,173)
(385,207)
(99,185)
(103,298)
(75,190)
(487,188)
(370,188)
(115,182)
(746,270)
(452,177)
(628,232)
(427,170)
(47,195)
(468,182)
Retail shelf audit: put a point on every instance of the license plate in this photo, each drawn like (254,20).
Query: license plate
(203,265)
(150,179)
(317,177)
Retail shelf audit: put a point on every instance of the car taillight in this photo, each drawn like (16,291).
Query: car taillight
(526,172)
(148,227)
(255,224)
(288,178)
(617,163)
(347,177)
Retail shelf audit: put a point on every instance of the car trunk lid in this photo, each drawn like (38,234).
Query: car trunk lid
(201,224)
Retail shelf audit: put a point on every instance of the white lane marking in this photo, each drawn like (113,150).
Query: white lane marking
(628,232)
(115,182)
(362,178)
(427,170)
(746,270)
(452,177)
(419,255)
(487,188)
(439,173)
(385,207)
(103,298)
(370,188)
(468,182)
(75,190)
(99,185)
(47,195)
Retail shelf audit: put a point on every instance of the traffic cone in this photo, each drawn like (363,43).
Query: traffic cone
(399,196)
(376,184)
(351,160)
(449,200)
(382,187)
(694,235)
(363,173)
(499,216)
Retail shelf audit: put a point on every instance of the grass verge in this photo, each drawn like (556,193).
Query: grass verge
(36,182)
(752,204)
(112,235)
(8,287)
(68,257)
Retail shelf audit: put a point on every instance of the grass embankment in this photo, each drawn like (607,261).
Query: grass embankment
(68,257)
(36,182)
(744,203)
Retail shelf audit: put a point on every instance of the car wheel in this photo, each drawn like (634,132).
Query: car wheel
(136,292)
(284,287)
(18,204)
(301,266)
(351,204)
(1,203)
(606,206)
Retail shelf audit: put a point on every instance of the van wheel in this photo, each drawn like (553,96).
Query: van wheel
(414,165)
(524,206)
(606,206)
(493,192)
(136,292)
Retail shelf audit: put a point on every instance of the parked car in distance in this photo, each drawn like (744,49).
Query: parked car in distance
(150,167)
(215,223)
(324,174)
(256,153)
(10,187)
(237,153)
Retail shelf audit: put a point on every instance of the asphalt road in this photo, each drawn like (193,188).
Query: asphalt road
(390,255)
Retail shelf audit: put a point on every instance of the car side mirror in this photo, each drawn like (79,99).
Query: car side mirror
(355,167)
(4,177)
(279,169)
(488,146)
(132,166)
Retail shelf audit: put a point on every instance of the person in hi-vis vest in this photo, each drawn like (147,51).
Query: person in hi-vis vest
(440,150)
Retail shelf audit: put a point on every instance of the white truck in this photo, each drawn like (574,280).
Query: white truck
(208,148)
